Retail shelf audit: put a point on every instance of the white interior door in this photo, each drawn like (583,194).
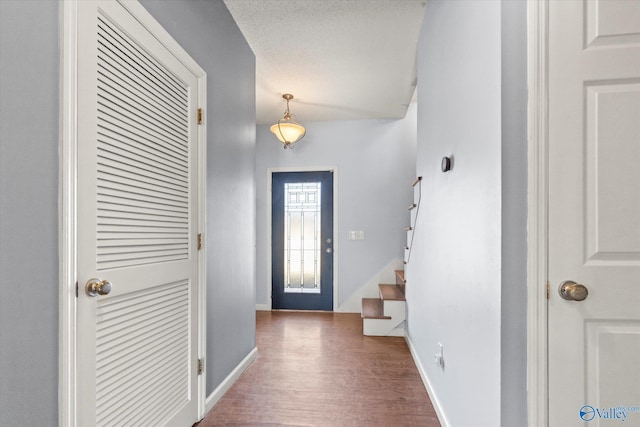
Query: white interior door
(594,211)
(137,224)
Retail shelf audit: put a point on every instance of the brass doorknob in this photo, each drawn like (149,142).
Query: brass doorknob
(95,287)
(572,291)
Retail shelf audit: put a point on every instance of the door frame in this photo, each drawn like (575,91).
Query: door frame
(270,172)
(537,213)
(67,183)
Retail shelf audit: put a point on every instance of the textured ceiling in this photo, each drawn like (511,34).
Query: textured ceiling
(341,59)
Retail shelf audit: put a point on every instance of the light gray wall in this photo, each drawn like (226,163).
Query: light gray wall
(207,31)
(28,213)
(468,262)
(29,82)
(514,214)
(375,160)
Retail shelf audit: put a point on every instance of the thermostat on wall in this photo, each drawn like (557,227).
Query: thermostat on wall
(445,166)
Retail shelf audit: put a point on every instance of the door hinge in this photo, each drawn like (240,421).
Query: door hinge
(76,289)
(199,116)
(548,291)
(199,241)
(200,366)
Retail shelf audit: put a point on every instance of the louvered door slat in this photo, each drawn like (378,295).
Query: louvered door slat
(167,254)
(143,115)
(137,206)
(111,112)
(109,121)
(167,249)
(142,316)
(132,127)
(107,246)
(157,72)
(135,397)
(124,229)
(135,236)
(125,370)
(138,59)
(144,224)
(155,216)
(163,408)
(140,182)
(112,61)
(131,261)
(135,340)
(137,161)
(133,314)
(131,204)
(132,379)
(137,137)
(109,167)
(121,84)
(143,149)
(131,191)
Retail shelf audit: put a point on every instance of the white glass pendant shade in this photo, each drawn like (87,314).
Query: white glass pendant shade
(288,132)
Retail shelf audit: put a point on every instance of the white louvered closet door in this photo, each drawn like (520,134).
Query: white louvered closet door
(137,225)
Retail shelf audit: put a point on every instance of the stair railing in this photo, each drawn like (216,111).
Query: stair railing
(415,205)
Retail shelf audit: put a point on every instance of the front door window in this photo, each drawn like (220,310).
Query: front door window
(302,237)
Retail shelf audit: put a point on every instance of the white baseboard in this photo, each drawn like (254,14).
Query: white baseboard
(427,385)
(225,385)
(263,307)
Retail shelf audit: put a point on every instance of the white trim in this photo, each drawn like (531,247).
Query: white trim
(202,228)
(67,216)
(226,384)
(270,172)
(263,307)
(427,385)
(68,208)
(537,233)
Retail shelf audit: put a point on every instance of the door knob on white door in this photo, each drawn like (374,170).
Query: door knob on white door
(572,291)
(95,287)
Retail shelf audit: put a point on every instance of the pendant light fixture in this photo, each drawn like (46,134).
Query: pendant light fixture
(286,130)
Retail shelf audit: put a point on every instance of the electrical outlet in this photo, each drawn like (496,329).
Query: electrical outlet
(439,356)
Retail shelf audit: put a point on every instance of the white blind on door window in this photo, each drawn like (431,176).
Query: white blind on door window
(143,156)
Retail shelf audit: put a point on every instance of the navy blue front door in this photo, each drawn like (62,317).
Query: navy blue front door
(302,240)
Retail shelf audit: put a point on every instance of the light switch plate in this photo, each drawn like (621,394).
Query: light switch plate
(356,235)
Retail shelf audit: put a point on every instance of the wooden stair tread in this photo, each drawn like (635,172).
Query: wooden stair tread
(400,275)
(391,293)
(373,308)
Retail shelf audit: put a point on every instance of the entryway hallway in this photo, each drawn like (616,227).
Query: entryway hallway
(317,369)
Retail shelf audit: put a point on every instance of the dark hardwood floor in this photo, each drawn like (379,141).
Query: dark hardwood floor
(316,369)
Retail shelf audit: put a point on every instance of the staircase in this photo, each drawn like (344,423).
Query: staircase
(386,315)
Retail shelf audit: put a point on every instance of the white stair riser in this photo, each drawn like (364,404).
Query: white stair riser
(387,327)
(395,309)
(383,328)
